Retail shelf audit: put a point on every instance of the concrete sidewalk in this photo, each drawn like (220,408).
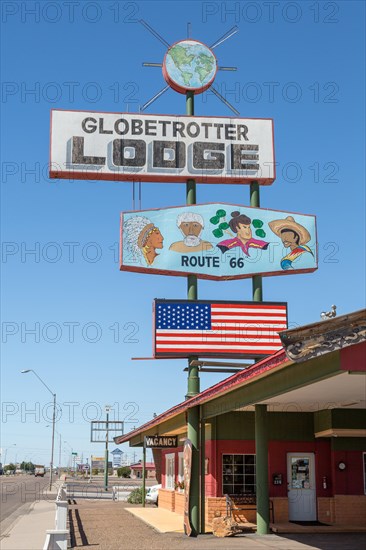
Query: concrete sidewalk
(160,519)
(28,532)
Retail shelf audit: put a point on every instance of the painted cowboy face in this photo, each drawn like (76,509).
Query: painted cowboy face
(289,238)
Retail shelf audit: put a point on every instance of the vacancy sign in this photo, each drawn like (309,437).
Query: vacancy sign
(219,329)
(161,148)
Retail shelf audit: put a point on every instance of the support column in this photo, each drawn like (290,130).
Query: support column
(193,373)
(261,450)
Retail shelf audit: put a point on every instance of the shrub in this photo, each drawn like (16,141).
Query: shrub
(135,496)
(124,471)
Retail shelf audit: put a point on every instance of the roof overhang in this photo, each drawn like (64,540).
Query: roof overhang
(332,377)
(316,339)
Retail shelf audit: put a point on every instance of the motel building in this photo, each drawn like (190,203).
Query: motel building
(293,423)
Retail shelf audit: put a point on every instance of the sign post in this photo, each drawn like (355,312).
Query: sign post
(193,373)
(144,474)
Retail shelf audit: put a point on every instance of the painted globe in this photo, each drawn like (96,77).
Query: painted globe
(189,65)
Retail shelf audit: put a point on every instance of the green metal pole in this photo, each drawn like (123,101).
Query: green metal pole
(144,474)
(261,450)
(193,375)
(261,435)
(257,290)
(106,456)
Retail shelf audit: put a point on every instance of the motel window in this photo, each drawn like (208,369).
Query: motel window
(169,471)
(238,474)
(364,473)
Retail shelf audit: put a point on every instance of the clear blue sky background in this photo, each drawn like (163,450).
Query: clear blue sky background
(310,52)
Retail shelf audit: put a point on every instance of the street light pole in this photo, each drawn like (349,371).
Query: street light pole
(6,452)
(53,418)
(69,462)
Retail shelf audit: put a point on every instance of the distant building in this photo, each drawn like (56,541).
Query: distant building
(136,470)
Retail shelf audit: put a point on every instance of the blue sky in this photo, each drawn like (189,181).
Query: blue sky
(300,63)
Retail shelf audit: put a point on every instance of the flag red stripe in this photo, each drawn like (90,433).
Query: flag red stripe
(276,316)
(248,306)
(201,338)
(252,350)
(218,345)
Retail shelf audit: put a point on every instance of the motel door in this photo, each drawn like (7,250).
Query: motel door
(301,487)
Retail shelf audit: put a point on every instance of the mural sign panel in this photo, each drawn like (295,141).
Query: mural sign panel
(219,329)
(162,148)
(218,241)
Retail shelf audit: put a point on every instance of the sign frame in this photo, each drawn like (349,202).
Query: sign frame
(105,427)
(171,272)
(224,355)
(60,168)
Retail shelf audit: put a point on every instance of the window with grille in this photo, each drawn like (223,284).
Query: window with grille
(170,471)
(238,474)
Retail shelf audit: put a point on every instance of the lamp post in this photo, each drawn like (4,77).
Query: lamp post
(71,456)
(6,452)
(53,418)
(59,447)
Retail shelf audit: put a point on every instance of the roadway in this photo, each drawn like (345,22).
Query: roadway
(18,493)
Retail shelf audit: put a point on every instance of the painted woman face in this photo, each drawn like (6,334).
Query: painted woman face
(156,239)
(244,232)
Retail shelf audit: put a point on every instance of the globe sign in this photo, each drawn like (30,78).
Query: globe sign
(189,65)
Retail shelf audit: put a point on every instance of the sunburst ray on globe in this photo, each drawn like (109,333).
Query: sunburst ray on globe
(189,65)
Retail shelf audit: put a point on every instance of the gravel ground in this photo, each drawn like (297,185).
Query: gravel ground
(106,525)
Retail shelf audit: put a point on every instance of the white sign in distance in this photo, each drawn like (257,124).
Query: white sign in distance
(161,148)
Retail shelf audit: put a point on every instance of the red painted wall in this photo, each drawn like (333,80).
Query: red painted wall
(353,358)
(347,482)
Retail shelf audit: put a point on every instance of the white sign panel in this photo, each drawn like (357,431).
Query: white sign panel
(166,148)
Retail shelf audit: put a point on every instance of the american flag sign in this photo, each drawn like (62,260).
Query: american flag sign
(217,329)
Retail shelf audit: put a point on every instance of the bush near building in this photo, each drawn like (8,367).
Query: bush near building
(124,471)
